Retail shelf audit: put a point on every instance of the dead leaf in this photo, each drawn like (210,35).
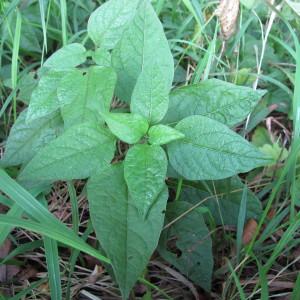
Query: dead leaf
(228,11)
(96,274)
(249,231)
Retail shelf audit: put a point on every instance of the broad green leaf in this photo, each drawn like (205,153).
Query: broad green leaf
(213,98)
(44,99)
(85,94)
(142,45)
(210,150)
(126,237)
(67,57)
(225,206)
(108,22)
(187,244)
(150,97)
(27,83)
(74,155)
(162,134)
(145,170)
(102,57)
(129,128)
(27,138)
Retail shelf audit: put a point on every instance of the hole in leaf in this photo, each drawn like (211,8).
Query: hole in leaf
(172,247)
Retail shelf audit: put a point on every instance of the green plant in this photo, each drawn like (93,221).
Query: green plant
(72,130)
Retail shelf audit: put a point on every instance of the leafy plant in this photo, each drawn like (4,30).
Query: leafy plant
(71,130)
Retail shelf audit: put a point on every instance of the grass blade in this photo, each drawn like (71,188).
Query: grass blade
(63,13)
(52,259)
(73,259)
(67,238)
(6,201)
(241,221)
(26,291)
(194,9)
(21,249)
(74,207)
(237,281)
(263,281)
(285,239)
(16,211)
(15,58)
(63,235)
(46,221)
(10,8)
(25,200)
(42,13)
(296,291)
(159,6)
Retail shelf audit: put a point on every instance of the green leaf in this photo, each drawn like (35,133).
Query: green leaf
(142,45)
(27,138)
(213,98)
(210,150)
(129,128)
(44,99)
(145,170)
(108,22)
(74,155)
(187,244)
(85,94)
(150,97)
(67,57)
(225,206)
(102,57)
(131,245)
(162,134)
